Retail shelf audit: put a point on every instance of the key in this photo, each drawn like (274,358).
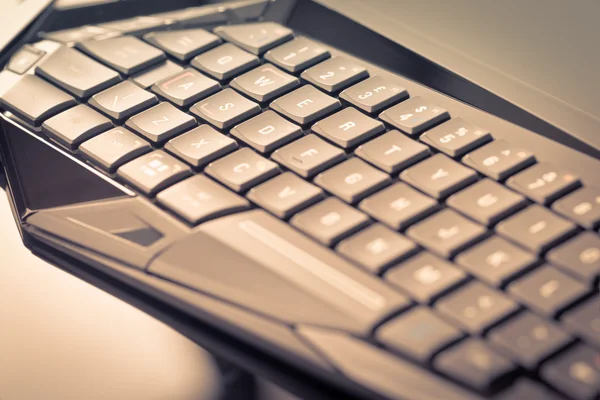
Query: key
(305,105)
(113,148)
(392,152)
(575,372)
(161,123)
(123,100)
(543,183)
(225,62)
(425,277)
(584,320)
(579,257)
(476,307)
(335,74)
(266,132)
(186,87)
(528,339)
(285,195)
(456,137)
(414,115)
(418,334)
(76,125)
(495,261)
(183,44)
(525,389)
(199,199)
(265,83)
(398,206)
(242,170)
(329,221)
(547,290)
(439,176)
(153,172)
(255,37)
(201,146)
(581,206)
(446,233)
(535,228)
(297,54)
(487,202)
(127,54)
(499,159)
(374,94)
(376,248)
(348,128)
(225,109)
(161,71)
(308,155)
(474,364)
(76,73)
(24,59)
(35,100)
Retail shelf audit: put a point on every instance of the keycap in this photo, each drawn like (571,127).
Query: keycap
(35,100)
(183,44)
(376,247)
(352,180)
(242,170)
(335,74)
(439,176)
(528,339)
(584,320)
(474,364)
(201,146)
(24,59)
(308,155)
(425,277)
(581,206)
(266,132)
(414,115)
(305,105)
(456,137)
(225,109)
(446,233)
(225,61)
(547,290)
(499,159)
(535,228)
(418,334)
(525,389)
(486,201)
(495,261)
(285,195)
(543,183)
(265,83)
(161,71)
(374,94)
(476,307)
(198,199)
(348,128)
(76,125)
(153,172)
(392,152)
(186,87)
(398,206)
(160,123)
(329,221)
(297,54)
(255,37)
(579,257)
(127,54)
(76,73)
(123,100)
(575,372)
(113,148)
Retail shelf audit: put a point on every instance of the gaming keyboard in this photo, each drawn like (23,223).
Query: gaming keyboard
(369,231)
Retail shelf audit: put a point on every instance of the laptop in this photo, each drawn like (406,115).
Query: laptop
(343,197)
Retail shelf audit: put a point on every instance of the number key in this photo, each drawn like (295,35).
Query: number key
(543,182)
(579,256)
(297,54)
(414,115)
(499,159)
(456,137)
(335,74)
(255,37)
(374,94)
(581,206)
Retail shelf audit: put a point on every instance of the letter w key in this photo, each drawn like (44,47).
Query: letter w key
(265,83)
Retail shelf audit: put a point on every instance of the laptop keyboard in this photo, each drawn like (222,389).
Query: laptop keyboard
(499,253)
